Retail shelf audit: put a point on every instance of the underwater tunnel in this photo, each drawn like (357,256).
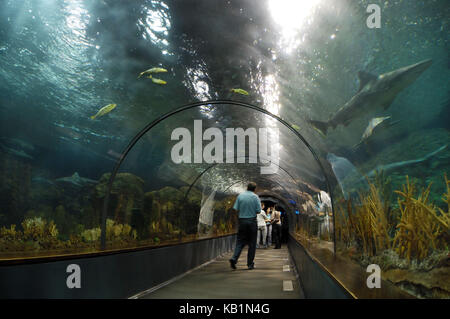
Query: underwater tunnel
(127,130)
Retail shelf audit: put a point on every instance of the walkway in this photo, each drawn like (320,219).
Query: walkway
(273,278)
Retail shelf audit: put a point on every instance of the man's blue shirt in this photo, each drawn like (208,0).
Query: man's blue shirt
(248,204)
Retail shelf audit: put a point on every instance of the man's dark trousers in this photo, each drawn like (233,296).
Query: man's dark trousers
(247,234)
(277,235)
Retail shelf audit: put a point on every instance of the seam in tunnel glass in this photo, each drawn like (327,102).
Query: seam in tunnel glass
(264,178)
(191,106)
(215,164)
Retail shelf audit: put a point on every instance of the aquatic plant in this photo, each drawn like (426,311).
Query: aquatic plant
(91,235)
(38,229)
(116,231)
(376,216)
(343,228)
(366,224)
(10,238)
(421,228)
(383,183)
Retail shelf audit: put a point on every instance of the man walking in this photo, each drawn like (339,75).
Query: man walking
(248,205)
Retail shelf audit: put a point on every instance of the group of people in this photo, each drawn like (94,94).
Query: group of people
(255,224)
(269,222)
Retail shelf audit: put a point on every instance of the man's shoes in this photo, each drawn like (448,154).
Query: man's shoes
(252,266)
(232,263)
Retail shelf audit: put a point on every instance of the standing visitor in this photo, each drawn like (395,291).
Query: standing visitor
(262,228)
(269,227)
(247,205)
(276,224)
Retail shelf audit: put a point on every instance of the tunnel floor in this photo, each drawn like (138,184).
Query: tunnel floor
(272,278)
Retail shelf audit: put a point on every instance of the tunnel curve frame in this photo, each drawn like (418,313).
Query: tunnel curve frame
(185,107)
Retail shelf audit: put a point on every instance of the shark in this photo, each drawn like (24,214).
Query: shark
(16,147)
(76,180)
(350,179)
(374,92)
(392,166)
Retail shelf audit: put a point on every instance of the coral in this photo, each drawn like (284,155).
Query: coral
(387,259)
(430,284)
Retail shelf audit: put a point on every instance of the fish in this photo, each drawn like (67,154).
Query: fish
(104,110)
(347,175)
(296,127)
(76,180)
(239,91)
(15,152)
(41,180)
(375,124)
(17,147)
(374,91)
(157,81)
(68,132)
(114,154)
(17,144)
(350,180)
(152,70)
(396,165)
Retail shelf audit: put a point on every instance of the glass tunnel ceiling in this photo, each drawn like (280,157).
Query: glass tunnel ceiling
(290,173)
(68,59)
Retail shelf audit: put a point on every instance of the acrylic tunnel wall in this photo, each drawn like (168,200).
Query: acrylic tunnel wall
(212,150)
(176,181)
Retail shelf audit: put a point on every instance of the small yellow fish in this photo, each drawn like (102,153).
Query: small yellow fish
(319,131)
(152,70)
(296,127)
(157,81)
(104,110)
(240,91)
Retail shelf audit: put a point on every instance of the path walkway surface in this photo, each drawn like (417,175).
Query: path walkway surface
(272,278)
